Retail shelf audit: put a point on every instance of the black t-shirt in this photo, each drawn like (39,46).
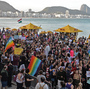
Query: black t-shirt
(27,83)
(10,70)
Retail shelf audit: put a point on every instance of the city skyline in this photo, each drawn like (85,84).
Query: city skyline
(38,5)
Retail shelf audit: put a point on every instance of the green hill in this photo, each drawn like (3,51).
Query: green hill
(4,6)
(59,9)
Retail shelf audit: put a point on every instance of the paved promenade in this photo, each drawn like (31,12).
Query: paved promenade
(13,86)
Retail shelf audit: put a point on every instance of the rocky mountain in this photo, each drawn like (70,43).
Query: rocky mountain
(59,9)
(4,6)
(85,8)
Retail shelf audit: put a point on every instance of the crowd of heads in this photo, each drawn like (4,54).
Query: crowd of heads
(67,54)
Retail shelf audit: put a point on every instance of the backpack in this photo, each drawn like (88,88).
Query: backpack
(41,87)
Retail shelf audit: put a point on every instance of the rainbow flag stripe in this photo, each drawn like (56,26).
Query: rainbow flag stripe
(9,44)
(34,65)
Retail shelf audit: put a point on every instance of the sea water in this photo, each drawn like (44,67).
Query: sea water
(48,24)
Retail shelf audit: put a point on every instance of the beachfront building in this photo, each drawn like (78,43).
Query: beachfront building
(46,15)
(57,15)
(9,13)
(16,14)
(30,10)
(67,15)
(29,14)
(22,13)
(4,14)
(0,13)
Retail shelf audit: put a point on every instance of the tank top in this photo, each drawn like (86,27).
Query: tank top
(18,81)
(68,86)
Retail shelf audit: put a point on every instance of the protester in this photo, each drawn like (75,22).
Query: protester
(60,53)
(41,85)
(63,85)
(77,79)
(19,79)
(40,75)
(28,79)
(60,76)
(10,73)
(88,80)
(69,85)
(4,77)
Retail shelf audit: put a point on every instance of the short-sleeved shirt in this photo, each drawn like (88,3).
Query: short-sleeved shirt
(4,75)
(39,77)
(27,83)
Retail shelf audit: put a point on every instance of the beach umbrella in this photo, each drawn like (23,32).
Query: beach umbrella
(7,28)
(32,26)
(23,27)
(57,30)
(14,29)
(68,29)
(86,41)
(49,32)
(42,32)
(89,37)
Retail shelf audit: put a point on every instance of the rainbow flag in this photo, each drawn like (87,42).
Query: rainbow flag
(20,21)
(9,44)
(34,65)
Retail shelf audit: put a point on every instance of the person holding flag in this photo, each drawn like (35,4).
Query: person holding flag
(28,79)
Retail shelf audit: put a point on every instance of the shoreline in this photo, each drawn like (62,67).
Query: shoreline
(38,18)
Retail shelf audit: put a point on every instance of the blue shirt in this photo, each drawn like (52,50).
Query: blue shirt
(51,72)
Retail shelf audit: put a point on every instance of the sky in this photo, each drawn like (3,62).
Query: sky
(38,5)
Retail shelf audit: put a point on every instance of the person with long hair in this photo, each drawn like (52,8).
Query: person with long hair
(19,79)
(77,79)
(69,84)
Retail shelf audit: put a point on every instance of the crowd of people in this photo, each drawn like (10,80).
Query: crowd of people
(65,60)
